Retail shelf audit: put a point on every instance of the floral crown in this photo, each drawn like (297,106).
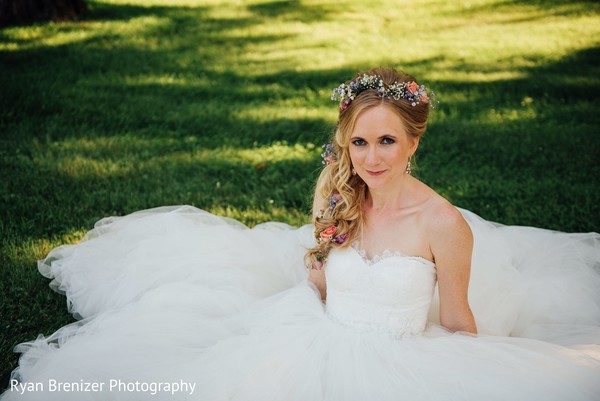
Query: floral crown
(410,91)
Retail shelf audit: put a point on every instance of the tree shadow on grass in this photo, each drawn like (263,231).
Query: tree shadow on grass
(539,8)
(97,86)
(295,10)
(458,136)
(510,12)
(212,115)
(522,146)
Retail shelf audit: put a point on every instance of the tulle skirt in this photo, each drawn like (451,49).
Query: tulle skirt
(176,303)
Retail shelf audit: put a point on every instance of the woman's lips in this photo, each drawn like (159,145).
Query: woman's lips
(375,172)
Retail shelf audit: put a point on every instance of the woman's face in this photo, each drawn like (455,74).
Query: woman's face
(380,147)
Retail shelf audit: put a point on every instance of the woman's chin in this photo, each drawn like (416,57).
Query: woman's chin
(375,182)
(382,181)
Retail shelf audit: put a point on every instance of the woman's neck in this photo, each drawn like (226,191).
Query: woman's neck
(390,198)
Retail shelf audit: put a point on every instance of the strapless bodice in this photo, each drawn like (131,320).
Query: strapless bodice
(390,294)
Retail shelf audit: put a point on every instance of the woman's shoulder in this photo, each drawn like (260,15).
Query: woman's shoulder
(439,215)
(443,214)
(447,230)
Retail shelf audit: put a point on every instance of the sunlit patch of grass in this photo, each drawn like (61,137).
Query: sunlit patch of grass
(487,74)
(274,153)
(33,249)
(499,116)
(263,113)
(61,34)
(84,158)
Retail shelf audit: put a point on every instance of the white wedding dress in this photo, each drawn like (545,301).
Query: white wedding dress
(176,295)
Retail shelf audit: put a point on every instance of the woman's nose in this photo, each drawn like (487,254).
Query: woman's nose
(372,156)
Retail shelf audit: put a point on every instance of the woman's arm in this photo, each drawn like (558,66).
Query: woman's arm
(317,277)
(452,246)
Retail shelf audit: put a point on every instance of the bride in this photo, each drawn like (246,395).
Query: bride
(405,296)
(379,204)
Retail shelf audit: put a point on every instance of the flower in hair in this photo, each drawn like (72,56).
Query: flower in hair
(327,234)
(328,154)
(412,87)
(334,199)
(340,239)
(410,91)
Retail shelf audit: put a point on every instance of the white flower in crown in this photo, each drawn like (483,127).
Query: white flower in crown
(411,91)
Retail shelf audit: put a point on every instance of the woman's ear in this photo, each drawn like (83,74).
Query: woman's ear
(414,146)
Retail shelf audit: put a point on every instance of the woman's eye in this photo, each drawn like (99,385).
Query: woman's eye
(387,141)
(359,142)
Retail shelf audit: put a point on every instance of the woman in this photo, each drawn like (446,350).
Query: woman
(380,202)
(180,304)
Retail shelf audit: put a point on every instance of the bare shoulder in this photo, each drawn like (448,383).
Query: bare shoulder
(448,231)
(441,215)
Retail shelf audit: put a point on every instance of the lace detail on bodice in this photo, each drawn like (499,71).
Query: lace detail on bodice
(390,294)
(386,254)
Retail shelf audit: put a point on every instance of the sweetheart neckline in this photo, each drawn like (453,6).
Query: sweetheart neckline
(387,254)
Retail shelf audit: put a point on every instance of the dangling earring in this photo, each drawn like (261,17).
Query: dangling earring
(353,171)
(408,167)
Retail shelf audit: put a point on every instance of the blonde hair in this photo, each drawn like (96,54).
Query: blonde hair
(337,177)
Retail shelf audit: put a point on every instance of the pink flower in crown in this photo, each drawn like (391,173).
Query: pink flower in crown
(317,265)
(424,97)
(412,87)
(327,233)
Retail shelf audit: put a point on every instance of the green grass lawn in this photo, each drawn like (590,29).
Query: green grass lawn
(224,105)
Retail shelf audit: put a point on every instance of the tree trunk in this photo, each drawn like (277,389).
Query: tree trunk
(23,11)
